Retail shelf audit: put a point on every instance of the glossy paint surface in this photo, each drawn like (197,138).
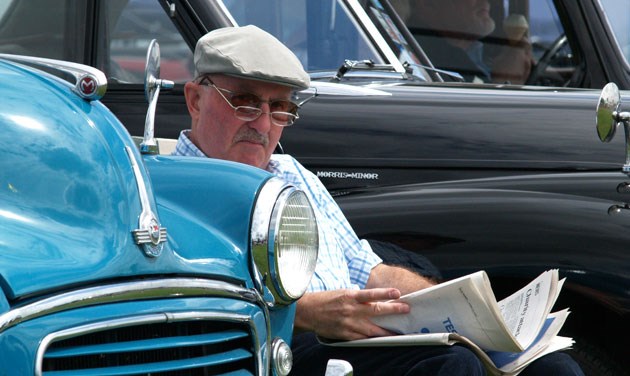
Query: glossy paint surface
(69,200)
(68,197)
(514,223)
(424,134)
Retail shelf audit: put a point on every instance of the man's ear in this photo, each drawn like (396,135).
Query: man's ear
(191,92)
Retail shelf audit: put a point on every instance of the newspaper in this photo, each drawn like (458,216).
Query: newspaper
(506,335)
(467,306)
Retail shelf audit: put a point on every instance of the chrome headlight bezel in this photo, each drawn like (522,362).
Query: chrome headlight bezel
(284,241)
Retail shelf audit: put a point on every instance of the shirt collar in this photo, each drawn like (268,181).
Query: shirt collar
(185,146)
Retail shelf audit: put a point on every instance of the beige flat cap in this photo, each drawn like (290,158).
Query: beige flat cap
(249,52)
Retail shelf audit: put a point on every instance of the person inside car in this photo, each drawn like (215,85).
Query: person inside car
(451,31)
(239,102)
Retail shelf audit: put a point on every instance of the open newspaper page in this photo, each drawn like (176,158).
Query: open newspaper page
(506,336)
(523,311)
(546,341)
(467,306)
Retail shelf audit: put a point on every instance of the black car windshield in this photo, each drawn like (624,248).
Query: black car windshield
(616,11)
(323,34)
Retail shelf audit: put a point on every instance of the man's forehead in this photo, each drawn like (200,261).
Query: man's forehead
(249,85)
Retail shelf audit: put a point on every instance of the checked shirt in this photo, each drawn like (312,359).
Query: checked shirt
(344,261)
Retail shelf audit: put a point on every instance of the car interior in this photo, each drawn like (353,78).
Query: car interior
(518,24)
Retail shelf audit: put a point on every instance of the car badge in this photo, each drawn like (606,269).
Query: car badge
(87,85)
(150,235)
(90,85)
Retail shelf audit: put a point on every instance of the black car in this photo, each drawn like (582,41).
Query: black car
(508,178)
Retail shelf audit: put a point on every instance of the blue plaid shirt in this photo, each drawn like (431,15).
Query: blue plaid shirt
(344,261)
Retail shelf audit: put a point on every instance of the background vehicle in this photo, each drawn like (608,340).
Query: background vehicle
(118,263)
(511,179)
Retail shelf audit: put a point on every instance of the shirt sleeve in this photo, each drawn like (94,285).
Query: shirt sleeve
(359,256)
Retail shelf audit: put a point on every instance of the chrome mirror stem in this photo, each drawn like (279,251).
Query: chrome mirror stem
(152,86)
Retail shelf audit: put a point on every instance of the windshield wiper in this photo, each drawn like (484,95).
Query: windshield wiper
(369,65)
(361,65)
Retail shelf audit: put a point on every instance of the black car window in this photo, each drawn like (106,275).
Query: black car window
(616,12)
(40,28)
(61,29)
(129,27)
(521,42)
(322,34)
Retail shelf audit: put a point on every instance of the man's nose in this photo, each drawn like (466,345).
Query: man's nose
(263,123)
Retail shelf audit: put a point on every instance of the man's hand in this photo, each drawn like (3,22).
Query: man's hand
(345,314)
(514,63)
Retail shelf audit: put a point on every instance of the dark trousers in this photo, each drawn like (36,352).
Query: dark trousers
(310,358)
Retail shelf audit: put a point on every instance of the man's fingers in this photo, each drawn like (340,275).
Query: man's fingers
(373,295)
(377,302)
(386,308)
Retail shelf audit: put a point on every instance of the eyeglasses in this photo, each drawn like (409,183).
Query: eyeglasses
(247,106)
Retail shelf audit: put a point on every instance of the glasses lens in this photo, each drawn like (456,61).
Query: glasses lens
(245,100)
(283,118)
(283,106)
(247,113)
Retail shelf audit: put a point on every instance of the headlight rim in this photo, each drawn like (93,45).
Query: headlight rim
(268,209)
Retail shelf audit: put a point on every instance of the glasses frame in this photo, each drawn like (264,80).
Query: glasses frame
(249,113)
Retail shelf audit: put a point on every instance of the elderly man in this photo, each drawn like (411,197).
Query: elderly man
(449,31)
(239,102)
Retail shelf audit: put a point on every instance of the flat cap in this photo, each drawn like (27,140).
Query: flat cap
(249,52)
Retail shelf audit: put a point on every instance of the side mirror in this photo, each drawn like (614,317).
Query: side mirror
(609,117)
(152,86)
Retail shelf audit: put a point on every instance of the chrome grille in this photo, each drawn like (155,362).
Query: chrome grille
(195,347)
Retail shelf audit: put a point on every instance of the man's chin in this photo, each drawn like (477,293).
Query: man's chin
(254,161)
(250,153)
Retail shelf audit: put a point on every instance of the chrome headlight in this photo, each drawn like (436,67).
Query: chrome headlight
(284,240)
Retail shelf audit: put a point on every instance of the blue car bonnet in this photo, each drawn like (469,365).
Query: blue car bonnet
(69,199)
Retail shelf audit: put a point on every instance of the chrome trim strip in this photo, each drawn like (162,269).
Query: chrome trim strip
(129,291)
(150,234)
(165,317)
(335,88)
(82,74)
(227,13)
(371,29)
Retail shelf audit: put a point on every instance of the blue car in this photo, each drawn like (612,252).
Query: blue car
(117,262)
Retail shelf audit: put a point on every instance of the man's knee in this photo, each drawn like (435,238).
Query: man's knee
(467,361)
(453,360)
(557,364)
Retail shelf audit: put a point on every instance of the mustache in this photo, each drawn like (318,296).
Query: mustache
(251,135)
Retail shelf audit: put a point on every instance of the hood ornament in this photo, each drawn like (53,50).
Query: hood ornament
(150,235)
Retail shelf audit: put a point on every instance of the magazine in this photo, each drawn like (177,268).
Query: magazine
(506,335)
